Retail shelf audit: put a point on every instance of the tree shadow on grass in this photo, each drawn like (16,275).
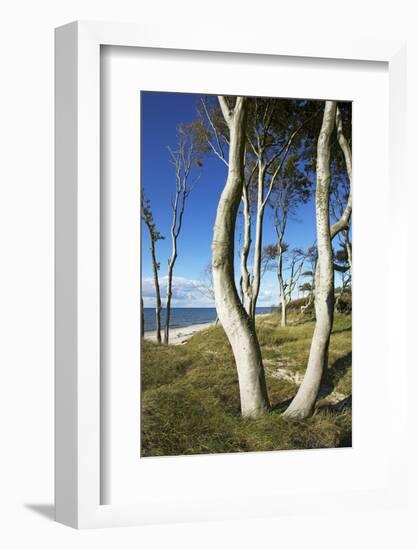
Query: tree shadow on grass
(334,374)
(341,330)
(330,380)
(282,405)
(338,407)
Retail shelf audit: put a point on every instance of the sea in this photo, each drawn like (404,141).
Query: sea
(187,316)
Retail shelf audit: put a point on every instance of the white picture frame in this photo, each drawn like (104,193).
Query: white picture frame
(78,406)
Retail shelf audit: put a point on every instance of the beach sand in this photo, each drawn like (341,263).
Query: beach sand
(181,335)
(178,336)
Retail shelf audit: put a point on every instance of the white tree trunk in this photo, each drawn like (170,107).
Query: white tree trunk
(256,283)
(236,323)
(245,281)
(303,403)
(171,265)
(168,299)
(281,288)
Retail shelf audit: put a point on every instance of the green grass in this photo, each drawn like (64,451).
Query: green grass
(190,396)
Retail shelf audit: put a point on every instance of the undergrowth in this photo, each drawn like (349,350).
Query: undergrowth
(190,395)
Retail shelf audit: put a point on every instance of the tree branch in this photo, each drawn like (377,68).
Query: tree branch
(219,151)
(344,221)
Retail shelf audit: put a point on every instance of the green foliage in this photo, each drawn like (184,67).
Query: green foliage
(190,395)
(147,217)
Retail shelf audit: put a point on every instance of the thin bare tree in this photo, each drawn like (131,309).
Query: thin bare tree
(237,324)
(288,265)
(184,159)
(154,236)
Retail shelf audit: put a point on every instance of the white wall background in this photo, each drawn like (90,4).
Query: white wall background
(26,272)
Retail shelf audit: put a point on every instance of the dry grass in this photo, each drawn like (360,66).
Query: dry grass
(190,397)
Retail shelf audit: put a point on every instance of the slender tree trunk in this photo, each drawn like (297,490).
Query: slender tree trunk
(172,260)
(237,324)
(183,159)
(304,401)
(283,312)
(247,241)
(157,292)
(154,236)
(281,288)
(142,328)
(279,230)
(256,283)
(169,294)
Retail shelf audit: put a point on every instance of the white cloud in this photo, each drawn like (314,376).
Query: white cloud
(185,292)
(196,293)
(268,295)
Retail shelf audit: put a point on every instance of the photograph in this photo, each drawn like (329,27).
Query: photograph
(246,274)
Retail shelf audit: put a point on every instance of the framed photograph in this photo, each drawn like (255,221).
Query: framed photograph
(224,345)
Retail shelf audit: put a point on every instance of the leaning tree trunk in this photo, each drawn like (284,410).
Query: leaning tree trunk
(237,324)
(303,403)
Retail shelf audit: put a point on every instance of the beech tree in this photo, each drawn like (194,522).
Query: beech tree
(237,324)
(291,189)
(184,159)
(272,129)
(288,265)
(154,236)
(303,403)
(275,127)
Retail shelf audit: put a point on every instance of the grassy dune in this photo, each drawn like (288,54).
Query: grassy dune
(190,396)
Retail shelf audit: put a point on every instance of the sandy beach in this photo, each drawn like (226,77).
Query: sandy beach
(178,336)
(181,335)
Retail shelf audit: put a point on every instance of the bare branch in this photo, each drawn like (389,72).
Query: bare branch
(219,150)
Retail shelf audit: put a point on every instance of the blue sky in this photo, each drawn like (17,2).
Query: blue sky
(161,113)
